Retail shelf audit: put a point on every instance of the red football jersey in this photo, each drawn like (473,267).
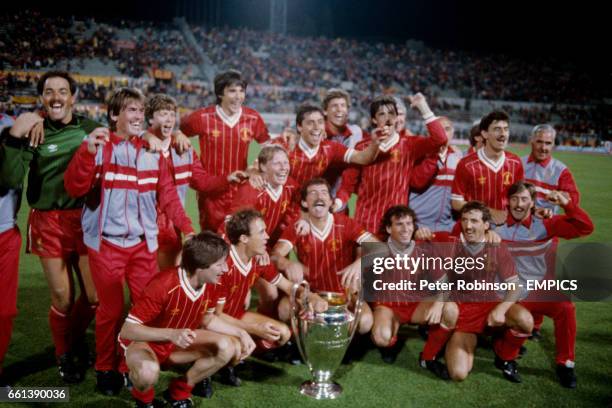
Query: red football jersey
(277,207)
(328,251)
(308,163)
(224,146)
(169,301)
(386,182)
(239,280)
(479,178)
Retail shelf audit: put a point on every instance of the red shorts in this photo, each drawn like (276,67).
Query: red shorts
(10,242)
(213,209)
(169,237)
(473,316)
(55,233)
(162,350)
(402,312)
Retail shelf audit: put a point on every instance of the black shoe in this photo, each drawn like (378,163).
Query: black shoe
(436,367)
(567,376)
(84,357)
(140,404)
(4,383)
(423,330)
(536,335)
(291,353)
(186,403)
(203,389)
(108,382)
(522,351)
(229,377)
(388,354)
(127,383)
(509,369)
(68,370)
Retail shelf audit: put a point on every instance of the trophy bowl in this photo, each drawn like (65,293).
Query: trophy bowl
(323,338)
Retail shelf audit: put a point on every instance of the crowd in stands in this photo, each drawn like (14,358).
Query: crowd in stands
(284,70)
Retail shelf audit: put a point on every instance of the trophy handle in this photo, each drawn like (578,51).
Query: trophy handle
(299,325)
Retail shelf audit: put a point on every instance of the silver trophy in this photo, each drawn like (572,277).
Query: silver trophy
(323,338)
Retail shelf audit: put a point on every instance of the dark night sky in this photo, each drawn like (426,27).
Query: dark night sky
(519,27)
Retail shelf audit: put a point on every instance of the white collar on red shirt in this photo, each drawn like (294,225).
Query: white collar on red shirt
(310,152)
(396,250)
(322,235)
(228,120)
(472,247)
(187,288)
(389,143)
(493,165)
(274,194)
(242,268)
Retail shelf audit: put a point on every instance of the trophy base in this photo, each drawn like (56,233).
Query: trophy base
(321,391)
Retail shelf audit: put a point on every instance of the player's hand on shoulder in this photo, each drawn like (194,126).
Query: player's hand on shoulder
(499,216)
(302,227)
(237,176)
(180,141)
(492,237)
(543,212)
(558,198)
(256,180)
(98,137)
(183,338)
(423,234)
(37,134)
(24,124)
(263,260)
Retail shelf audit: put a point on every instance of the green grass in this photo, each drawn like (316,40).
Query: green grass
(368,382)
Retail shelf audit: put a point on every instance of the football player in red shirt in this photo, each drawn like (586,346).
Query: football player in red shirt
(164,327)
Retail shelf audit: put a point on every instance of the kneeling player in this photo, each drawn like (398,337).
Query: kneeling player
(422,307)
(478,309)
(162,328)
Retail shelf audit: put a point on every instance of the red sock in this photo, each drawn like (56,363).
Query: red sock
(60,324)
(262,345)
(81,315)
(508,346)
(146,396)
(179,389)
(6,328)
(436,340)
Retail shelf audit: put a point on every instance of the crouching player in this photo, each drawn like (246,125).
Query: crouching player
(422,307)
(163,327)
(481,308)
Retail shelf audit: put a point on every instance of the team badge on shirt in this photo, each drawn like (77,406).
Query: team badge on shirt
(245,134)
(216,133)
(507,178)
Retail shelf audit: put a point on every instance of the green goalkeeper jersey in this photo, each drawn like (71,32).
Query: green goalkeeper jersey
(46,163)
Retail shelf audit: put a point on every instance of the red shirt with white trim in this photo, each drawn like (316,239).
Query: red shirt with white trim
(224,141)
(169,301)
(239,280)
(327,251)
(308,163)
(479,178)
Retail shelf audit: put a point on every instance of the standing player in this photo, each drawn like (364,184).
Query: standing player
(336,105)
(545,172)
(487,174)
(163,327)
(386,182)
(54,223)
(123,185)
(431,183)
(326,254)
(10,241)
(314,155)
(225,131)
(536,237)
(186,171)
(479,308)
(421,307)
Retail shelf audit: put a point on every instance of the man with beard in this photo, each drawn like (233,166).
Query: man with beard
(124,185)
(532,241)
(487,174)
(54,223)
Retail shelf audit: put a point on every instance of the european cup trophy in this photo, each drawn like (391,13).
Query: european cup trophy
(323,337)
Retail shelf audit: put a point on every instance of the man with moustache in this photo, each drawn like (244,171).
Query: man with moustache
(487,174)
(54,223)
